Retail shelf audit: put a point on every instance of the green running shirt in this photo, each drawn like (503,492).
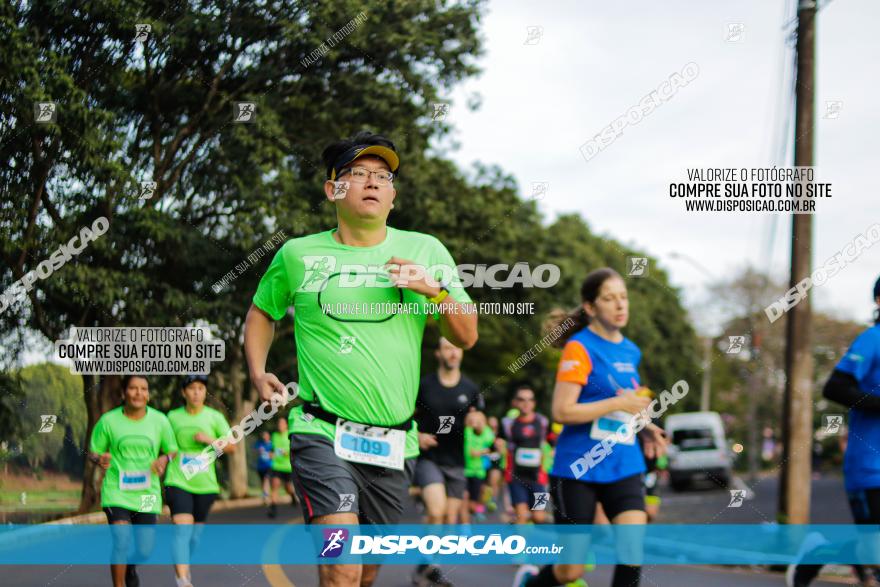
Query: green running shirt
(185,426)
(281,453)
(473,466)
(363,361)
(133,446)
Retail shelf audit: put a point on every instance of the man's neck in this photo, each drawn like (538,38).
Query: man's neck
(360,236)
(449,377)
(134,413)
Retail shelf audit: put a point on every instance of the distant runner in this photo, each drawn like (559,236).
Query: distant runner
(445,399)
(280,473)
(190,499)
(133,444)
(524,436)
(264,463)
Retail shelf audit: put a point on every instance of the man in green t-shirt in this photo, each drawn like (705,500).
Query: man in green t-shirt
(361,295)
(127,443)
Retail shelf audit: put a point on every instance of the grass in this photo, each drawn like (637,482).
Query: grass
(39,499)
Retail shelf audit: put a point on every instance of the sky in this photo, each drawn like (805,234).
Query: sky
(543,96)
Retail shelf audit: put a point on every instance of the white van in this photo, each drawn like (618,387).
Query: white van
(698,449)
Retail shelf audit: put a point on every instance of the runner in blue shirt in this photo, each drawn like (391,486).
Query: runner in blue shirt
(597,391)
(264,462)
(855,383)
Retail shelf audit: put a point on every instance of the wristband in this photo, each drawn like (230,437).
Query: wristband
(444,291)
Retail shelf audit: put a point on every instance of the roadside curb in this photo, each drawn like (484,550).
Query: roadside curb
(220,505)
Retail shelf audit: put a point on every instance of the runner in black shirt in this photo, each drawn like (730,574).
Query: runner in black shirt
(444,399)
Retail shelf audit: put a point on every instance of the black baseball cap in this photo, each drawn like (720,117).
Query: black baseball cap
(388,154)
(193,378)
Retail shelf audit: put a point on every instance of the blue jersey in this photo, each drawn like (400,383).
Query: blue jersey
(264,455)
(601,368)
(861,464)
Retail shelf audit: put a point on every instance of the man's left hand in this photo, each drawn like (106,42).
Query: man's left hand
(654,441)
(411,275)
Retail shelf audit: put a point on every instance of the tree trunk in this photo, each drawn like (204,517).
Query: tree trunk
(101,393)
(238,470)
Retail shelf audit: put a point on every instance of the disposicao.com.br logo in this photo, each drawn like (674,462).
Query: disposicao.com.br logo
(475,545)
(334,542)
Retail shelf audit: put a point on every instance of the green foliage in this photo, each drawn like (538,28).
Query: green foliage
(162,111)
(758,372)
(50,390)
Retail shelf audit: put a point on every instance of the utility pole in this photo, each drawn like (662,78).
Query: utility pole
(794,487)
(705,392)
(755,388)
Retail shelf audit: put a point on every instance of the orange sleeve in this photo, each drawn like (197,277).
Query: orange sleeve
(575,365)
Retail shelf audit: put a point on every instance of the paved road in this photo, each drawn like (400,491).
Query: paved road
(701,505)
(707,503)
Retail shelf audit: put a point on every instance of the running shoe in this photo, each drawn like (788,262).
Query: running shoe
(131,577)
(590,565)
(801,575)
(525,573)
(430,576)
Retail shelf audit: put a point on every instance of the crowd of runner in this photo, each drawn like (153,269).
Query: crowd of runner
(373,430)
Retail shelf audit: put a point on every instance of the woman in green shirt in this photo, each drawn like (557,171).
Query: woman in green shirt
(127,443)
(190,496)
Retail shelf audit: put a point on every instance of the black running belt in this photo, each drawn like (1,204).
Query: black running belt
(322,414)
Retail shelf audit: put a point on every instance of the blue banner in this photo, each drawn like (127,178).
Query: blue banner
(657,544)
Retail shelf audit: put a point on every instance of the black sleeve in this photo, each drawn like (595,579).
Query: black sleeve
(843,388)
(477,400)
(502,433)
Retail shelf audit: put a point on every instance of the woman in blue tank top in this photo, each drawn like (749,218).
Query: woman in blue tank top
(597,394)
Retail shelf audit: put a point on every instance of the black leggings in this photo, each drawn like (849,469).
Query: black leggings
(865,507)
(575,503)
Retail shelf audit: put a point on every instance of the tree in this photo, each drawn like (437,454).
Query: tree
(162,111)
(749,385)
(51,390)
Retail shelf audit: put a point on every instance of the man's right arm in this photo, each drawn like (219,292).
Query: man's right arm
(259,330)
(844,389)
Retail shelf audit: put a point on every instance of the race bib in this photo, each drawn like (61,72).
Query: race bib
(134,480)
(195,462)
(527,457)
(609,424)
(381,447)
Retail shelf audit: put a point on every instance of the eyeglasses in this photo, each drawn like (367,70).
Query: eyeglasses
(360,175)
(524,399)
